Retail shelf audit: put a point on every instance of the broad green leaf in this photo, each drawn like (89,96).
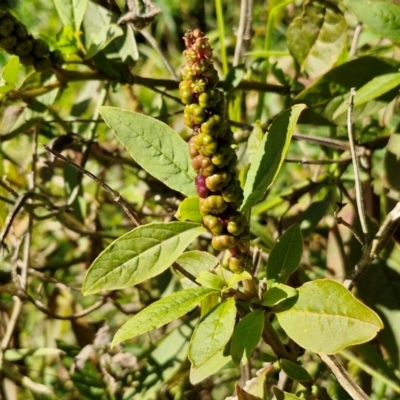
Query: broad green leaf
(138,255)
(243,394)
(210,280)
(234,279)
(295,371)
(269,156)
(156,147)
(6,88)
(188,210)
(254,140)
(327,93)
(246,336)
(375,88)
(71,12)
(67,41)
(276,293)
(317,37)
(212,333)
(101,39)
(161,312)
(327,318)
(10,71)
(281,395)
(380,16)
(213,365)
(285,255)
(194,262)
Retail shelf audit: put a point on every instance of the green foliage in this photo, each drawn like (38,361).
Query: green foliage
(143,260)
(327,318)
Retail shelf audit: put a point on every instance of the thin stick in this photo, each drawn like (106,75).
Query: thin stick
(356,37)
(356,167)
(115,195)
(345,380)
(243,31)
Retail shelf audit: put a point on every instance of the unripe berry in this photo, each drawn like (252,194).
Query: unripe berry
(212,223)
(190,55)
(6,26)
(8,43)
(213,125)
(209,98)
(23,48)
(237,224)
(187,72)
(198,85)
(42,64)
(212,205)
(192,147)
(223,242)
(40,48)
(224,154)
(218,181)
(185,93)
(232,192)
(237,263)
(205,144)
(203,165)
(56,58)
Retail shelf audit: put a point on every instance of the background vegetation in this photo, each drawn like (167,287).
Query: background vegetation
(55,221)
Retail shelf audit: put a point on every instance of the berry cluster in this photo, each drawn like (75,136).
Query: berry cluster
(213,157)
(14,39)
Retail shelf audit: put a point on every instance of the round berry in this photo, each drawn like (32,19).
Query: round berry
(223,242)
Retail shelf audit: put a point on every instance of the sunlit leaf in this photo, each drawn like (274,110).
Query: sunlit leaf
(212,333)
(161,312)
(317,37)
(138,255)
(327,318)
(246,336)
(269,156)
(71,12)
(189,210)
(154,146)
(381,16)
(285,255)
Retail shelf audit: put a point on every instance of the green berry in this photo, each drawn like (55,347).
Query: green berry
(203,165)
(213,224)
(232,193)
(218,181)
(239,262)
(192,147)
(223,242)
(40,48)
(6,26)
(190,55)
(236,224)
(223,156)
(193,115)
(198,85)
(42,64)
(209,98)
(212,205)
(56,58)
(185,93)
(23,48)
(187,73)
(213,125)
(205,144)
(8,43)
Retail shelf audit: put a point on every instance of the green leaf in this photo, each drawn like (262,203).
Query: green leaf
(281,395)
(194,262)
(327,93)
(380,16)
(161,312)
(310,218)
(234,279)
(10,71)
(276,293)
(254,141)
(295,371)
(154,146)
(285,255)
(317,37)
(246,336)
(327,318)
(188,210)
(138,255)
(234,77)
(67,41)
(212,333)
(210,280)
(269,156)
(71,12)
(375,88)
(101,39)
(213,365)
